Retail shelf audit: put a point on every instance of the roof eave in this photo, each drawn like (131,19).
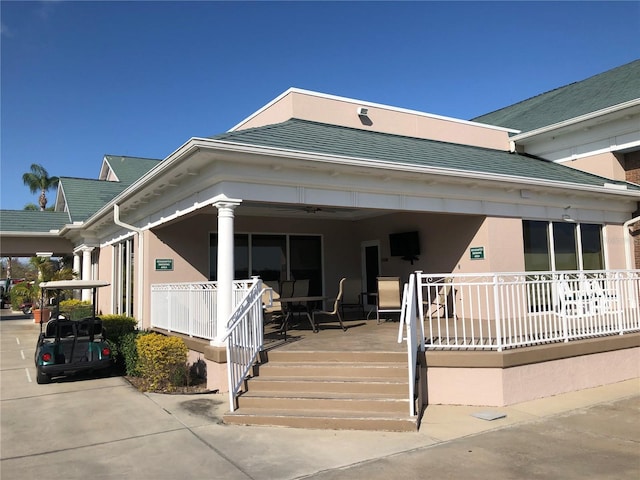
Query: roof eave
(521,137)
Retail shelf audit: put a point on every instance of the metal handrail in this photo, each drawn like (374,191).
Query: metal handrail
(245,339)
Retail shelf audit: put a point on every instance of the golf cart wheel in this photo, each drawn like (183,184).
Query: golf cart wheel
(42,377)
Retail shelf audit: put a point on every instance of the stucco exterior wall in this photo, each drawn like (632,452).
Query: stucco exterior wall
(105,267)
(614,247)
(500,387)
(603,164)
(632,172)
(339,111)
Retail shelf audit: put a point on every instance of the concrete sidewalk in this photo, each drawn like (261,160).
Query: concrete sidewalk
(104,428)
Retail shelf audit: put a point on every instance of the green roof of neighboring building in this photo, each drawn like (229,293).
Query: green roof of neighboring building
(308,136)
(84,197)
(607,89)
(130,169)
(32,220)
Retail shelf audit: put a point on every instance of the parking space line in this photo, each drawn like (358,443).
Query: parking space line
(22,354)
(28,375)
(18,340)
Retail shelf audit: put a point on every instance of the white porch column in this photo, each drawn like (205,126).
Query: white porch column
(86,270)
(76,270)
(225,266)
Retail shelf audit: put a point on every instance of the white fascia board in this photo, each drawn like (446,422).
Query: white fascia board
(195,144)
(364,103)
(157,171)
(576,120)
(50,233)
(410,168)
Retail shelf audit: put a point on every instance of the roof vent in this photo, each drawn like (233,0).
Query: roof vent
(362,112)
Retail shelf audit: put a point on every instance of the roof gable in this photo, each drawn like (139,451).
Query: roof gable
(607,89)
(125,169)
(83,197)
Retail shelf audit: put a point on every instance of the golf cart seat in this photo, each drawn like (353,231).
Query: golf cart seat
(59,327)
(84,326)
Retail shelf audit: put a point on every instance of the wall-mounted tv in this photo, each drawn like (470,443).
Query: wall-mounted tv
(405,245)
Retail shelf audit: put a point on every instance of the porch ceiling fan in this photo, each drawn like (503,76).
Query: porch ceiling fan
(311,209)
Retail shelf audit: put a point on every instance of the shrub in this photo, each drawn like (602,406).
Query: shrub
(129,352)
(116,327)
(20,293)
(162,361)
(76,309)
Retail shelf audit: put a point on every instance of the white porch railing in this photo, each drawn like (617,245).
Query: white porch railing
(190,308)
(408,319)
(507,310)
(244,339)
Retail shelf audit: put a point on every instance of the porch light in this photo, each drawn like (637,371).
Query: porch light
(567,218)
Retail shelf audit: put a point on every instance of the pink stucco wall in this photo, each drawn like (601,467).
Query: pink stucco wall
(603,164)
(500,387)
(336,111)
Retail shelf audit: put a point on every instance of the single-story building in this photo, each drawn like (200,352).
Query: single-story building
(312,185)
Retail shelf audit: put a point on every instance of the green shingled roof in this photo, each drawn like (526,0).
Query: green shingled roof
(85,197)
(607,89)
(308,136)
(130,169)
(32,220)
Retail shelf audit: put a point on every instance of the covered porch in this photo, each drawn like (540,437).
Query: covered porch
(492,343)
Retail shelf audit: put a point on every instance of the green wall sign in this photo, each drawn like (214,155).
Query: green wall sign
(164,263)
(476,253)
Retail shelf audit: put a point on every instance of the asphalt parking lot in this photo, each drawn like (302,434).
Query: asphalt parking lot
(102,428)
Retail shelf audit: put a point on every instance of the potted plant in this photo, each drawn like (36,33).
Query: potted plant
(47,270)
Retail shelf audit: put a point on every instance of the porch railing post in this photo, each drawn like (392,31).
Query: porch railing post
(498,315)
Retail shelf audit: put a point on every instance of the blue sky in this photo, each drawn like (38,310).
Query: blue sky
(83,79)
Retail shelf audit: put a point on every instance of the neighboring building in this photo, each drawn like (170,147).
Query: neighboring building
(311,186)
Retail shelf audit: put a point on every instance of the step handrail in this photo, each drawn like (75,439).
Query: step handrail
(245,339)
(408,321)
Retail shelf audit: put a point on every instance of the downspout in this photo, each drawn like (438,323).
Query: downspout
(140,255)
(628,239)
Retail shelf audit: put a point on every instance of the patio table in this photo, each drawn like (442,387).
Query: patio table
(286,303)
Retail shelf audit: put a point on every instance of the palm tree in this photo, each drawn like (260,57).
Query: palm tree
(38,179)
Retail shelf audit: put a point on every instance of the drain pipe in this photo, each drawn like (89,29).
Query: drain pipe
(139,255)
(628,239)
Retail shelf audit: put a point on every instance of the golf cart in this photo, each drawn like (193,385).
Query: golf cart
(65,345)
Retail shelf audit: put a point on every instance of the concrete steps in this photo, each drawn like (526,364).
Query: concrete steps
(328,390)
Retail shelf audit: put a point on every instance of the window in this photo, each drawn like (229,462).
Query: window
(592,255)
(123,259)
(562,246)
(536,246)
(273,258)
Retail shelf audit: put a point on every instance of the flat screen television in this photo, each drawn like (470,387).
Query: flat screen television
(405,245)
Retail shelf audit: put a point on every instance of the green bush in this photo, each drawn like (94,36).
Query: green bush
(162,362)
(76,309)
(20,293)
(129,352)
(116,327)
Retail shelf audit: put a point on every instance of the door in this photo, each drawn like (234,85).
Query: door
(370,251)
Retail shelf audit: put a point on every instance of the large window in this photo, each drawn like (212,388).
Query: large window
(123,262)
(562,246)
(274,258)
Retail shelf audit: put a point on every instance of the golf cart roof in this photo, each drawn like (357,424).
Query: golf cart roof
(73,284)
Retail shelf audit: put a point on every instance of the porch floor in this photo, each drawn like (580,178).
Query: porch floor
(361,335)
